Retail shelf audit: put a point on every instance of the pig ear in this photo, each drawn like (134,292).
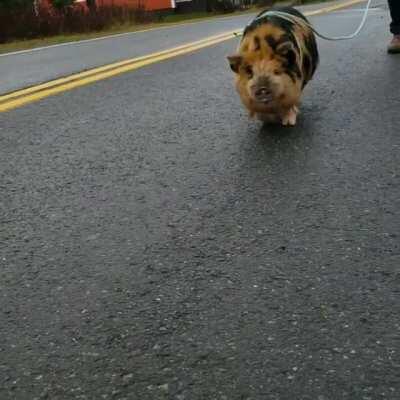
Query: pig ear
(234,62)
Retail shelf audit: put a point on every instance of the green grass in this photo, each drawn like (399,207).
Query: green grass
(306,2)
(176,18)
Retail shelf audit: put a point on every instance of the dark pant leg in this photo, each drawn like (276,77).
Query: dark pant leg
(394,6)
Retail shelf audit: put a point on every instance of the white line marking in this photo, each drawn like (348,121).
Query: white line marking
(355,10)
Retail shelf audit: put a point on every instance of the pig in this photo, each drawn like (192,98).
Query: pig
(275,60)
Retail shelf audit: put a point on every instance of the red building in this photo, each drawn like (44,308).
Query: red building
(150,5)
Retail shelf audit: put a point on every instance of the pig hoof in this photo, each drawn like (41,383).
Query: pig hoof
(290,118)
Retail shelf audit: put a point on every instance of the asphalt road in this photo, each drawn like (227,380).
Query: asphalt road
(156,244)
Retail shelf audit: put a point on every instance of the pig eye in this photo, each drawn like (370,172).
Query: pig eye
(249,71)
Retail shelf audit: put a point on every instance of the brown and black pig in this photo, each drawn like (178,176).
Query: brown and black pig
(275,60)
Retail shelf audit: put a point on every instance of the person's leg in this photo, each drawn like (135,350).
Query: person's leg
(394,6)
(394,46)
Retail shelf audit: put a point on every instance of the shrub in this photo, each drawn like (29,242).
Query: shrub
(15,4)
(265,3)
(221,6)
(23,23)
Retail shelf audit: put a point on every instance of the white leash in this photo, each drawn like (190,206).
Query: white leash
(297,20)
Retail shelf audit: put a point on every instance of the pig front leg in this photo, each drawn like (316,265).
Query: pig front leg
(289,118)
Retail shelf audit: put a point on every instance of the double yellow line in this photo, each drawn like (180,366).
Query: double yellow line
(25,96)
(34,93)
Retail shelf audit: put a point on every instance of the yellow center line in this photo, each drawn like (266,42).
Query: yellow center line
(115,66)
(334,8)
(24,96)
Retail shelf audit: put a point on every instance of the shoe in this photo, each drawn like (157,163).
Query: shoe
(394,45)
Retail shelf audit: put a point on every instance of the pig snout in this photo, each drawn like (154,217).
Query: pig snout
(262,90)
